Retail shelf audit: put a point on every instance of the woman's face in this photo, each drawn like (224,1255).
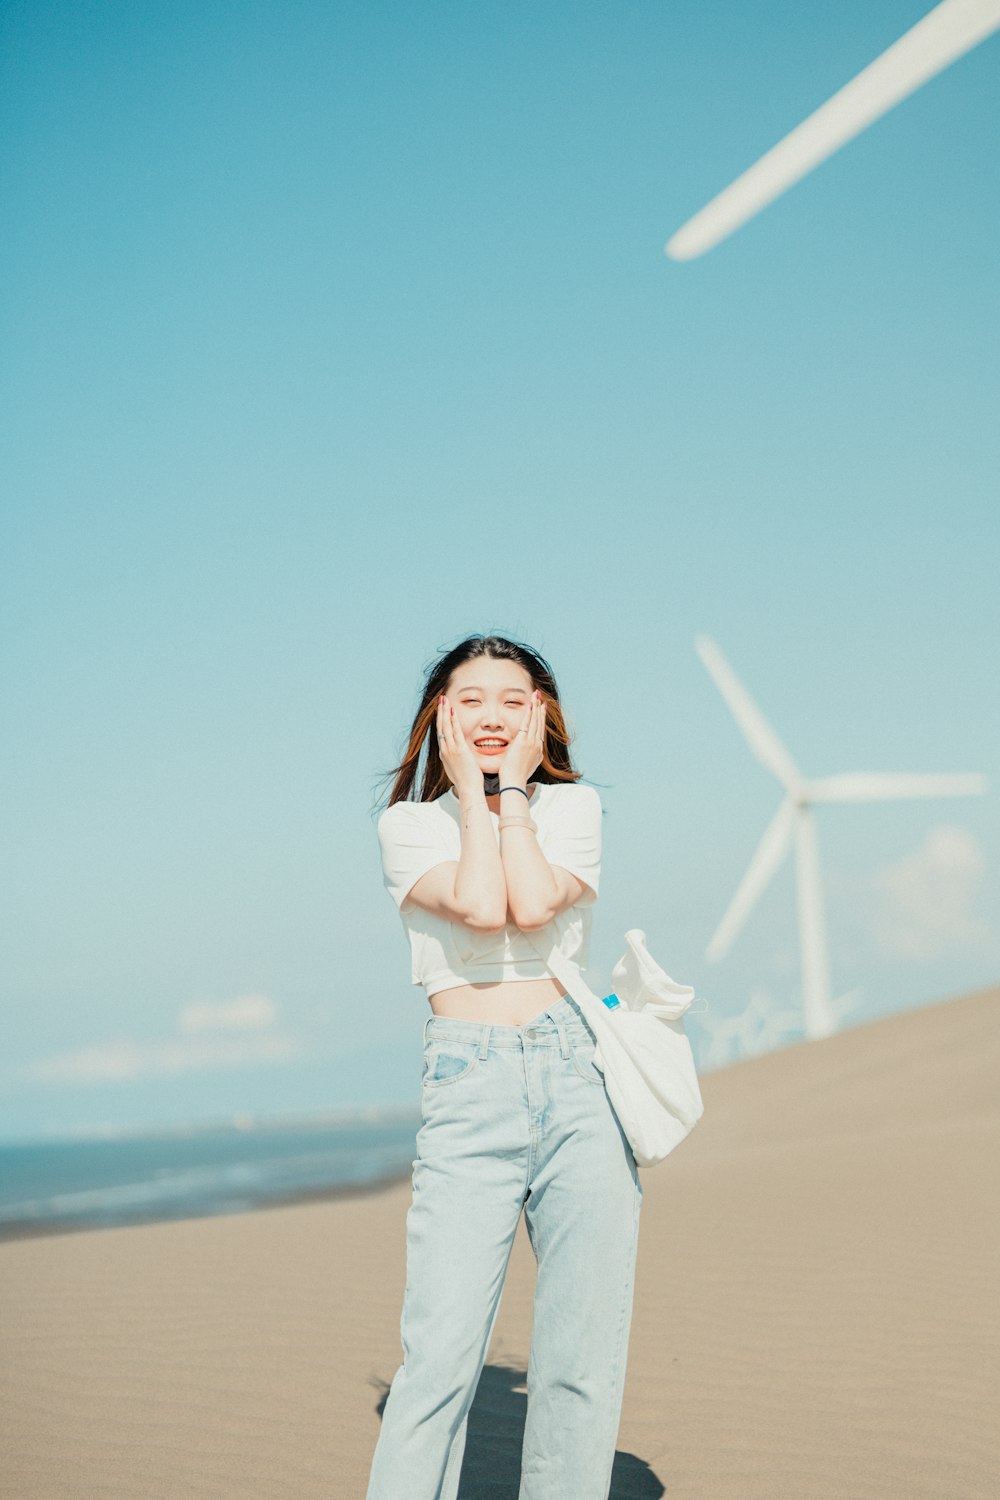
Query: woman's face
(491,699)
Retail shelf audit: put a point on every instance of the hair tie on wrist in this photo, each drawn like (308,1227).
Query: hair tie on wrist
(514,789)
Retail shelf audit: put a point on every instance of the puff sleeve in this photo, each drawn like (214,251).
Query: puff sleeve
(574,840)
(410,845)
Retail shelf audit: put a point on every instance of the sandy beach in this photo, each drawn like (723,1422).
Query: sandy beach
(817,1310)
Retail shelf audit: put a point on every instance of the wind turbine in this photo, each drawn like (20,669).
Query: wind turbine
(757,1028)
(794,821)
(945,34)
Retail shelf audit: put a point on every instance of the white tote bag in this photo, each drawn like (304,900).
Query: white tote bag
(645,1055)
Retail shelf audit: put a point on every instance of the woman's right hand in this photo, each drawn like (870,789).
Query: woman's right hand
(461,766)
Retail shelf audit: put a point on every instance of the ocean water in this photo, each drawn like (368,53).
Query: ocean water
(191,1171)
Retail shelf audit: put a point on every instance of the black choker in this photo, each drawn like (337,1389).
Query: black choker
(491,783)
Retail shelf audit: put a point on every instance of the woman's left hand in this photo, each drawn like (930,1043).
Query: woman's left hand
(524,753)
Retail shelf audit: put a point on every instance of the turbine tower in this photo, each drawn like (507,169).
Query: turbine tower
(794,822)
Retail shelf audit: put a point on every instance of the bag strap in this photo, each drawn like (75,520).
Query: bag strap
(571,978)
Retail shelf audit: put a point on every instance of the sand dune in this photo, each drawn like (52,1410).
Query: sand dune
(817,1310)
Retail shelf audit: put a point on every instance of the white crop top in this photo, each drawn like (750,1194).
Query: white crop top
(416,836)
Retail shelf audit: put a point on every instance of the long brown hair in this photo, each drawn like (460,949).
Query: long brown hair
(555,765)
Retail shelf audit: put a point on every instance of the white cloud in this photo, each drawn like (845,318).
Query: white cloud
(925,905)
(245,1013)
(205,1041)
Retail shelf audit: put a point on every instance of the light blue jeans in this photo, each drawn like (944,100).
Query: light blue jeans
(514,1117)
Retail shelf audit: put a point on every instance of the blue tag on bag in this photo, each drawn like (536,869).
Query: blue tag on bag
(611,1001)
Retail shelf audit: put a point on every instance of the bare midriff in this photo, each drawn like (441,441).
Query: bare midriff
(508,1002)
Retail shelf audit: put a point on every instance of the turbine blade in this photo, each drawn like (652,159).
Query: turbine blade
(768,856)
(759,735)
(947,32)
(871,786)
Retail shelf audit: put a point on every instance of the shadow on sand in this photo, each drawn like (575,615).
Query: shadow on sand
(492,1466)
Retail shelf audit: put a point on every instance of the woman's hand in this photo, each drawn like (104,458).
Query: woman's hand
(461,766)
(524,753)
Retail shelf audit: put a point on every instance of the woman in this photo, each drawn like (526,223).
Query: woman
(504,841)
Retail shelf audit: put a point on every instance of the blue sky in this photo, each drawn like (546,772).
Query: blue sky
(334,333)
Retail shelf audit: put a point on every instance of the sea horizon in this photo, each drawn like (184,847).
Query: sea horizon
(109,1176)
